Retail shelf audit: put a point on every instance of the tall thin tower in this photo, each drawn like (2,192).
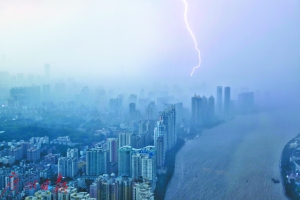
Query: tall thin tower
(219,99)
(226,101)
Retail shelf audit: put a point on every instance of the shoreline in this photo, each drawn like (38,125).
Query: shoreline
(285,168)
(163,179)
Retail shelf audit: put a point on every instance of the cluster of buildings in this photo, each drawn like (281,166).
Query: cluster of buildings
(69,193)
(124,167)
(204,110)
(122,187)
(223,107)
(133,159)
(15,151)
(68,166)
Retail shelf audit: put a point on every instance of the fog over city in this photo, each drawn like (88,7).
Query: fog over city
(251,44)
(97,100)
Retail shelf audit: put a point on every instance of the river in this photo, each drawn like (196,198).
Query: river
(235,160)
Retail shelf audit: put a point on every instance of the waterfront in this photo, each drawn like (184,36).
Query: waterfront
(235,160)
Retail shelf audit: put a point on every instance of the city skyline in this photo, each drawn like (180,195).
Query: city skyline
(112,99)
(234,48)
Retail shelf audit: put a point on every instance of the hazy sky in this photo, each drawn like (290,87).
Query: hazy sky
(253,43)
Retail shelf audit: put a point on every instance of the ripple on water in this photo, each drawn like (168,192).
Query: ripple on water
(235,160)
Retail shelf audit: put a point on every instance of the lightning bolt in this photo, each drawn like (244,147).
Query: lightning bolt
(191,32)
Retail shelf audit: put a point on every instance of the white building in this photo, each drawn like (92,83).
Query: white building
(143,163)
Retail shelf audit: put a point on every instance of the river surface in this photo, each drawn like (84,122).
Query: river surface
(235,160)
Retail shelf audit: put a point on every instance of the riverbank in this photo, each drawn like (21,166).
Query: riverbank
(235,160)
(164,179)
(288,168)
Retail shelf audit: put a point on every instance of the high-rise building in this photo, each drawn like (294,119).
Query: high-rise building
(132,111)
(125,139)
(93,190)
(151,111)
(197,111)
(204,111)
(211,108)
(136,165)
(72,156)
(168,117)
(106,187)
(219,99)
(96,161)
(124,188)
(227,101)
(132,98)
(159,136)
(143,164)
(62,166)
(112,146)
(149,166)
(67,167)
(179,112)
(165,136)
(124,161)
(161,153)
(137,141)
(115,105)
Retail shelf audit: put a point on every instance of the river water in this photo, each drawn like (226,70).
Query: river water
(235,160)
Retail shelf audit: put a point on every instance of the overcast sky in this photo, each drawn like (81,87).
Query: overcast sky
(253,43)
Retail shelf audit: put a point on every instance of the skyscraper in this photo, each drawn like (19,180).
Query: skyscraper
(227,101)
(136,165)
(112,146)
(72,156)
(151,111)
(143,164)
(160,155)
(179,112)
(165,135)
(219,99)
(132,111)
(211,108)
(168,117)
(149,165)
(96,161)
(204,110)
(124,188)
(160,136)
(125,139)
(107,187)
(124,161)
(62,166)
(197,109)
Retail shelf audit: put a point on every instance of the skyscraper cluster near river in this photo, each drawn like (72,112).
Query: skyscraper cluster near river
(122,143)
